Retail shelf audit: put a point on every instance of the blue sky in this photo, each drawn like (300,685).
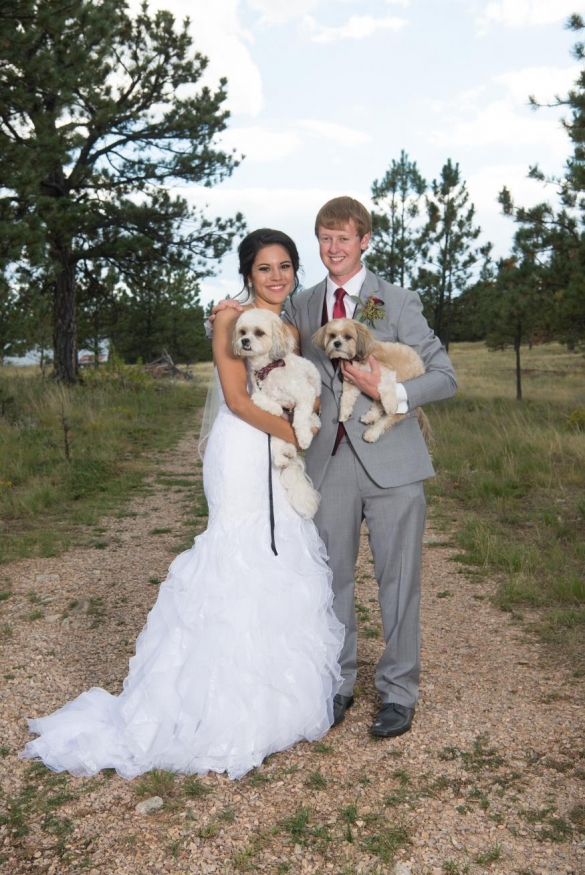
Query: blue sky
(325,93)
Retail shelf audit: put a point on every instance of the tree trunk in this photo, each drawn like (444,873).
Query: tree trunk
(517,340)
(65,321)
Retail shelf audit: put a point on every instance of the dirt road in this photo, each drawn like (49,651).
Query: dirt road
(490,779)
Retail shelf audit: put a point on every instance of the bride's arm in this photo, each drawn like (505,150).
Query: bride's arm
(234,381)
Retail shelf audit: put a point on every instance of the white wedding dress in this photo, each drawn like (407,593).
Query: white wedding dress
(238,657)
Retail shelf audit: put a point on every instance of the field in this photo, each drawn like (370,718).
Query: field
(102,488)
(69,456)
(510,488)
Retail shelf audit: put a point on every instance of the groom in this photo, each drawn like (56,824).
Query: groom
(380,482)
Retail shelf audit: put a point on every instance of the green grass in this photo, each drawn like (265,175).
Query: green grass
(156,783)
(511,479)
(111,427)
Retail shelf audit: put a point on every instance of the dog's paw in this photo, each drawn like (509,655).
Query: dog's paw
(370,417)
(314,421)
(282,455)
(304,438)
(371,435)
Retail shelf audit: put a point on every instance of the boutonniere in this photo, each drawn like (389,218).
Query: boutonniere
(369,312)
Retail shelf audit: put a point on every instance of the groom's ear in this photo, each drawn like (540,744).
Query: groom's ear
(365,241)
(318,338)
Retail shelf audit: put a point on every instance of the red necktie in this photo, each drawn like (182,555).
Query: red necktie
(339,306)
(339,313)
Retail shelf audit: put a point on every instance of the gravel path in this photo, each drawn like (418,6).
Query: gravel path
(490,779)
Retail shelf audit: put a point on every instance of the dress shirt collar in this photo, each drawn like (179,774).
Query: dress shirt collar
(352,287)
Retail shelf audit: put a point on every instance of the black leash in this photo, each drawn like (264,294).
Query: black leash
(271,498)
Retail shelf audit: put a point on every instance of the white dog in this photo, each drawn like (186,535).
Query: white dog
(282,381)
(351,340)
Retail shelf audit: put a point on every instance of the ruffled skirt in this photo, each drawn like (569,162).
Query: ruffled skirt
(238,657)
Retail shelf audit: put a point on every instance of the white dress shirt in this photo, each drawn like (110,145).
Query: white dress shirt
(352,287)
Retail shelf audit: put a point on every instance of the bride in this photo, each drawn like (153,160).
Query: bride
(238,657)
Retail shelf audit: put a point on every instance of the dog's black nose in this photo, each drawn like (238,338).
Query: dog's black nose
(246,342)
(336,344)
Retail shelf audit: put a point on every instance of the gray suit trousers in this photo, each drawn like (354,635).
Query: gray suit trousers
(395,517)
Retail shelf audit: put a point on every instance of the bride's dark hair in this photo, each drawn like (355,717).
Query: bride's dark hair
(257,240)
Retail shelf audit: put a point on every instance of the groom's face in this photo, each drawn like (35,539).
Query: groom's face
(341,250)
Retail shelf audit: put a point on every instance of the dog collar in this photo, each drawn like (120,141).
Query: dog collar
(263,372)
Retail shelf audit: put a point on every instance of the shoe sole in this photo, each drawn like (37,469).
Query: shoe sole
(393,733)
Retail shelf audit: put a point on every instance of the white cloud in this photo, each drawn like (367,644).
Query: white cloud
(341,134)
(356,27)
(217,33)
(484,186)
(543,82)
(499,123)
(260,144)
(525,13)
(274,12)
(473,120)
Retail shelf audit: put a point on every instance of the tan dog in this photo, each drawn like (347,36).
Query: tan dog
(351,340)
(282,381)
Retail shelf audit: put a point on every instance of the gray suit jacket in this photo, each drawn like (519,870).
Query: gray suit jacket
(400,455)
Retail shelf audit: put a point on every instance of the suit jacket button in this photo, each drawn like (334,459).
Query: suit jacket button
(334,420)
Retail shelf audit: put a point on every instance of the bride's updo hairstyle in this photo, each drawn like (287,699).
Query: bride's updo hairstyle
(257,240)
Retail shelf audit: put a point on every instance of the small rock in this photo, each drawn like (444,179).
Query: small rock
(52,618)
(149,805)
(47,578)
(401,869)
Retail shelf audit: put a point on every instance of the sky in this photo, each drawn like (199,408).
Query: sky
(324,94)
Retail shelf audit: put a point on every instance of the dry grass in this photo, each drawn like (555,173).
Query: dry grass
(511,481)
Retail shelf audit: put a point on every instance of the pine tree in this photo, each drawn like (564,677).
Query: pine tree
(451,248)
(157,311)
(397,242)
(553,234)
(99,114)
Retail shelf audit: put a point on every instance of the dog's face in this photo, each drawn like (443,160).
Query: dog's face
(261,334)
(344,339)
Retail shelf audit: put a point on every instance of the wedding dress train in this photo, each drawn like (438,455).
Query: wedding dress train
(238,657)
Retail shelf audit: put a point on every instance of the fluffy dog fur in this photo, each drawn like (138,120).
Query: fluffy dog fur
(351,340)
(261,337)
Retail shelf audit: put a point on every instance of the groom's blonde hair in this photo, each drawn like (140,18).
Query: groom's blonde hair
(339,211)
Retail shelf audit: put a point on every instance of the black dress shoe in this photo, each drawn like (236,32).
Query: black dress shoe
(392,720)
(340,706)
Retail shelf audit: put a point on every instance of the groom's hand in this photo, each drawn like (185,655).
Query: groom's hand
(226,304)
(366,381)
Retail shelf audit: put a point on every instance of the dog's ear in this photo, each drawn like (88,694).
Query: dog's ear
(319,337)
(363,339)
(235,337)
(283,342)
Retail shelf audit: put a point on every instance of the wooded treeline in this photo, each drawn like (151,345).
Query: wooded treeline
(103,116)
(425,236)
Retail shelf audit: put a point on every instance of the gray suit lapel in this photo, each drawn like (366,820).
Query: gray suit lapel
(315,309)
(370,286)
